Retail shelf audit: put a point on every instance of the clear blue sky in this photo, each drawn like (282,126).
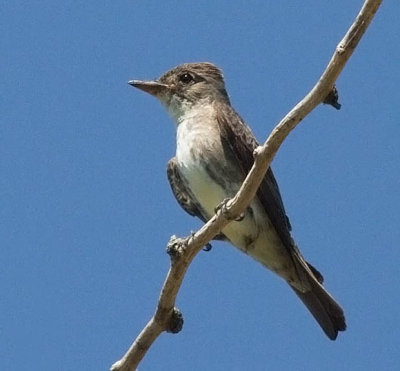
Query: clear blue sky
(86,210)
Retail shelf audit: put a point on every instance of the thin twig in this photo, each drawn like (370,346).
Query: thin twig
(183,251)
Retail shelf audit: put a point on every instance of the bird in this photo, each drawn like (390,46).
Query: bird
(214,153)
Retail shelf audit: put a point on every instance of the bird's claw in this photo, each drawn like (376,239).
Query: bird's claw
(207,247)
(240,217)
(223,208)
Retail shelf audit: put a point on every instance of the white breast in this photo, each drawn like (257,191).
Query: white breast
(197,132)
(254,234)
(194,136)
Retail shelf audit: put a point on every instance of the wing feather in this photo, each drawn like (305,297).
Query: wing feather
(184,196)
(238,136)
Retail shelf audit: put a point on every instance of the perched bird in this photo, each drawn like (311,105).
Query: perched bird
(214,153)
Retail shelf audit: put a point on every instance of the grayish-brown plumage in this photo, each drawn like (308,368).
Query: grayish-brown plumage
(214,154)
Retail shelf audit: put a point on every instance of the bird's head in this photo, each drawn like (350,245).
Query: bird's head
(185,86)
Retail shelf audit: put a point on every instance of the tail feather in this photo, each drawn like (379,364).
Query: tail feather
(319,302)
(323,307)
(317,274)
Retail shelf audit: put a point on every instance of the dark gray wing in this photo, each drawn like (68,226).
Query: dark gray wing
(184,196)
(240,141)
(181,193)
(237,136)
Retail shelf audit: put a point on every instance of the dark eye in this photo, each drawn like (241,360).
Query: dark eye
(186,78)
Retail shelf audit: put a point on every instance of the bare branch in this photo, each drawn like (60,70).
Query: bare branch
(182,251)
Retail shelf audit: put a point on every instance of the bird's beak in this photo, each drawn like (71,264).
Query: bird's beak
(152,87)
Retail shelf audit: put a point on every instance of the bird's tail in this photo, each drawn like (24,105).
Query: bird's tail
(319,302)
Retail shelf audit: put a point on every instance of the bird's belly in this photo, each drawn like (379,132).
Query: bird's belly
(254,234)
(207,192)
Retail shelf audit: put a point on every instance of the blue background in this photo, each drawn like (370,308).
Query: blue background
(86,210)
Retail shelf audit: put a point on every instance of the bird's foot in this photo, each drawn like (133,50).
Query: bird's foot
(223,208)
(240,217)
(207,247)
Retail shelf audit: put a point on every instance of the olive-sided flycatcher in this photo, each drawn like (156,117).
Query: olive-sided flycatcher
(214,153)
